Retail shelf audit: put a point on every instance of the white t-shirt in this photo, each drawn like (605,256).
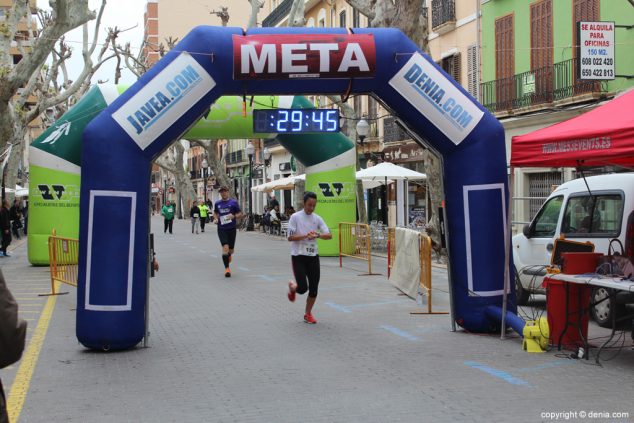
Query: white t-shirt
(301,223)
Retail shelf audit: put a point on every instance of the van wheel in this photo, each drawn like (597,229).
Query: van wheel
(604,307)
(521,294)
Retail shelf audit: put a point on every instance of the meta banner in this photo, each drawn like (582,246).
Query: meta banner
(303,56)
(435,97)
(160,103)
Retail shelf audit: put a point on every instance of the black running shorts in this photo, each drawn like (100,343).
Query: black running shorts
(227,237)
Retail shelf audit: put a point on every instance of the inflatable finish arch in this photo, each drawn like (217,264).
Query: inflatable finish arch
(55,161)
(121,142)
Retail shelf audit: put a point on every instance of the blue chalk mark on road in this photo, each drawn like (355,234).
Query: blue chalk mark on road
(244,269)
(375,304)
(399,332)
(507,377)
(338,307)
(266,278)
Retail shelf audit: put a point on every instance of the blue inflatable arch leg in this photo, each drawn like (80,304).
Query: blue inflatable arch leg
(211,62)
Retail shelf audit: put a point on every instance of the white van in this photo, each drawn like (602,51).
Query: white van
(597,212)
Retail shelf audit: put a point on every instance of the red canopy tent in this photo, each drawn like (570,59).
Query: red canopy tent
(603,136)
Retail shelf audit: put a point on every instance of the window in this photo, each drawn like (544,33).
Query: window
(356,19)
(593,215)
(472,70)
(451,65)
(545,222)
(542,49)
(342,19)
(504,60)
(586,11)
(322,23)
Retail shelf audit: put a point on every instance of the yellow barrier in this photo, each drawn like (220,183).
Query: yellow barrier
(63,258)
(355,240)
(424,249)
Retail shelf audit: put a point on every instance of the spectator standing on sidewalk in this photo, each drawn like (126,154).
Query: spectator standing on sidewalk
(15,213)
(12,337)
(226,211)
(204,212)
(168,214)
(25,213)
(194,213)
(304,229)
(5,227)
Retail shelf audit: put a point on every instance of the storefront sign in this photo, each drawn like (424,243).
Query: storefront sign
(303,56)
(595,50)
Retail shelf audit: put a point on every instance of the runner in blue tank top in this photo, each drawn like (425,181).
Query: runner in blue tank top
(226,211)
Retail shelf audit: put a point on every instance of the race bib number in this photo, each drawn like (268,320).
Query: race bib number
(309,248)
(224,220)
(195,215)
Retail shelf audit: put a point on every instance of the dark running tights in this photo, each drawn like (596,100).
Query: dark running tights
(306,271)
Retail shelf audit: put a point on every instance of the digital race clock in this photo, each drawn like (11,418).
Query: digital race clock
(295,120)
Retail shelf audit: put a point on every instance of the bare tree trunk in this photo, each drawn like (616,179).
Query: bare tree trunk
(184,186)
(433,171)
(300,186)
(216,164)
(256,5)
(409,17)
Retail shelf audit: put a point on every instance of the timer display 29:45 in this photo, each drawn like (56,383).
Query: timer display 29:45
(295,120)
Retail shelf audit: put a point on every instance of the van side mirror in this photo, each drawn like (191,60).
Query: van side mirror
(526,230)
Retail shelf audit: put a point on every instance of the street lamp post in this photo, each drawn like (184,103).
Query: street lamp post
(205,166)
(266,155)
(362,131)
(250,150)
(164,190)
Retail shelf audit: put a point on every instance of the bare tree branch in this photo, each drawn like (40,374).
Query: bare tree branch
(67,14)
(365,7)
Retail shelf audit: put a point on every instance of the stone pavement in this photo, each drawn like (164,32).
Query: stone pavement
(235,350)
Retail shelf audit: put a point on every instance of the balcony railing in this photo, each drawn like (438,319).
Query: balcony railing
(278,14)
(539,86)
(442,11)
(234,157)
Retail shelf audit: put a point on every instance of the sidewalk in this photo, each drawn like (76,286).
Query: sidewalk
(235,350)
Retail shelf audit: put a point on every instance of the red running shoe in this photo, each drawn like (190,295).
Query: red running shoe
(227,273)
(291,292)
(308,318)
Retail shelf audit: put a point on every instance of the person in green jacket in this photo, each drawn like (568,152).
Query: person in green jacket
(204,212)
(168,213)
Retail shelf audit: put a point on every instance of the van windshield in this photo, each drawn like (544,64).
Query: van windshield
(545,222)
(593,215)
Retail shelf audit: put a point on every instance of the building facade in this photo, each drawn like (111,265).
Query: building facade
(529,74)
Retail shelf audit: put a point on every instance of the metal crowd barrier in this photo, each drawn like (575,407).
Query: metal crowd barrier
(63,261)
(355,240)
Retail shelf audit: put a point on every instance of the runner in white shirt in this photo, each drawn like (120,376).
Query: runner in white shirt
(304,228)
